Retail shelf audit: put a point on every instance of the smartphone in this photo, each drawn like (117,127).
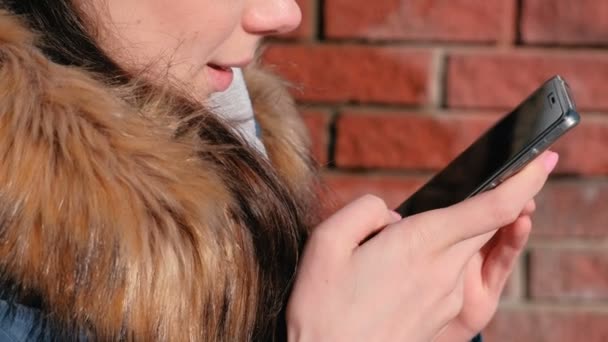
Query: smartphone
(503,150)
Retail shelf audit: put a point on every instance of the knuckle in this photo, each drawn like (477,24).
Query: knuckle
(422,237)
(416,240)
(502,209)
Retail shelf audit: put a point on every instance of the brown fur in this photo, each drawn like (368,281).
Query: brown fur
(126,231)
(283,132)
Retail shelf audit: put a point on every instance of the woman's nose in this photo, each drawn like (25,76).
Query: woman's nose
(266,17)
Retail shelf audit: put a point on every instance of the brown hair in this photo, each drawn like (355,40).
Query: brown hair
(269,216)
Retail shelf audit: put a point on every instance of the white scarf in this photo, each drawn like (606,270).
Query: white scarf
(234,104)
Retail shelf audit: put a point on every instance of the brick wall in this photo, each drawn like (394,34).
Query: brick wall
(393,89)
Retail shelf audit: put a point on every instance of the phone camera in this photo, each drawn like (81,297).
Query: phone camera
(552,99)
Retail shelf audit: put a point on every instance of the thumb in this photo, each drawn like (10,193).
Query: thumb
(358,220)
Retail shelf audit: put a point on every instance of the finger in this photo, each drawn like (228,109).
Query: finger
(493,265)
(358,220)
(481,215)
(464,250)
(529,209)
(490,238)
(501,258)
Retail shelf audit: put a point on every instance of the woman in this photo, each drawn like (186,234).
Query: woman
(139,202)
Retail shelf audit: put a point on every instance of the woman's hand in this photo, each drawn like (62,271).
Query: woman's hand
(485,277)
(410,281)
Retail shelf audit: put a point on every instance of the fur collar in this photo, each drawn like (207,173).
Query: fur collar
(103,210)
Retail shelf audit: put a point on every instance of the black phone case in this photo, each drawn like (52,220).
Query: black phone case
(550,110)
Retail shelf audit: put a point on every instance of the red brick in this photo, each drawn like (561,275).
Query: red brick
(318,126)
(503,80)
(429,142)
(564,209)
(565,21)
(428,20)
(576,208)
(344,188)
(339,73)
(569,274)
(537,324)
(583,150)
(403,140)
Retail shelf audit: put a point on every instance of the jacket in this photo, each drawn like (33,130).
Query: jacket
(103,208)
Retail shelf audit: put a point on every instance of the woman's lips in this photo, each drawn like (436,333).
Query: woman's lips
(220,77)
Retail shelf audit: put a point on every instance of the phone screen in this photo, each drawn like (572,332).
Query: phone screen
(487,156)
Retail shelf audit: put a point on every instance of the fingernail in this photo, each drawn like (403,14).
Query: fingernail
(551,161)
(396,215)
